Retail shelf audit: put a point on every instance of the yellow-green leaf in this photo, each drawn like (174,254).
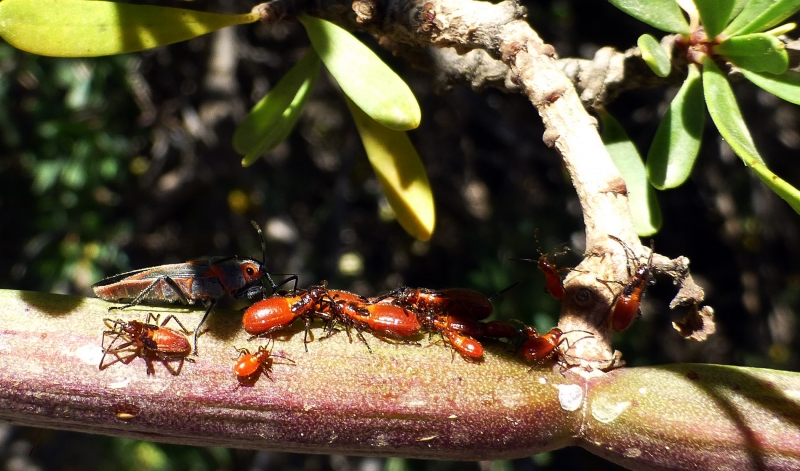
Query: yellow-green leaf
(81,28)
(725,112)
(654,55)
(363,76)
(400,172)
(274,116)
(759,52)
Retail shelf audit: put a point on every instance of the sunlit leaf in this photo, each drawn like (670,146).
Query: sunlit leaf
(787,192)
(363,76)
(273,118)
(400,172)
(786,85)
(80,28)
(725,112)
(714,14)
(665,15)
(752,9)
(283,126)
(654,55)
(642,200)
(677,140)
(728,119)
(763,15)
(738,7)
(759,52)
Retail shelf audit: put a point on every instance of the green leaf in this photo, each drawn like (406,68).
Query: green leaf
(274,116)
(677,140)
(400,172)
(284,125)
(752,9)
(654,55)
(762,15)
(739,5)
(665,15)
(80,28)
(725,112)
(781,188)
(363,76)
(642,200)
(714,14)
(728,119)
(786,85)
(759,52)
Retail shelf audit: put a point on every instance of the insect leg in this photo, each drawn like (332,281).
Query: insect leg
(211,304)
(166,279)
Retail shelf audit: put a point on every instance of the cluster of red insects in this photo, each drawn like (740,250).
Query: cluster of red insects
(458,315)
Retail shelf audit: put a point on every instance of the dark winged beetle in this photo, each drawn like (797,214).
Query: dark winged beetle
(204,280)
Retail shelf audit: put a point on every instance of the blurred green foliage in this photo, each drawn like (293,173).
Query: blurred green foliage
(67,128)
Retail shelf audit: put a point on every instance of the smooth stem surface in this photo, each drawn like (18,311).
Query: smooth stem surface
(401,400)
(405,400)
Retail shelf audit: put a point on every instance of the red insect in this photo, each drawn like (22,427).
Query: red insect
(456,301)
(626,306)
(204,280)
(468,347)
(382,318)
(460,331)
(500,330)
(278,312)
(146,340)
(249,366)
(552,275)
(455,323)
(542,347)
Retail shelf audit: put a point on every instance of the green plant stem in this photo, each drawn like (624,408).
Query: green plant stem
(400,400)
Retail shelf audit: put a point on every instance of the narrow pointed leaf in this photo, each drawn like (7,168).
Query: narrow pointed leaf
(714,14)
(781,187)
(642,200)
(677,141)
(764,15)
(728,119)
(273,117)
(739,5)
(654,55)
(752,10)
(285,123)
(80,28)
(759,52)
(400,172)
(363,76)
(725,112)
(665,15)
(786,85)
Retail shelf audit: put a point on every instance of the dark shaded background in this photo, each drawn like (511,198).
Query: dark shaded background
(125,162)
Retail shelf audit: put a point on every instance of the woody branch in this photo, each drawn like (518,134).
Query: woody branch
(495,46)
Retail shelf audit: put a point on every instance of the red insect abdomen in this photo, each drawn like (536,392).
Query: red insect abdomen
(499,330)
(269,315)
(247,365)
(466,346)
(391,319)
(461,324)
(625,311)
(171,342)
(466,302)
